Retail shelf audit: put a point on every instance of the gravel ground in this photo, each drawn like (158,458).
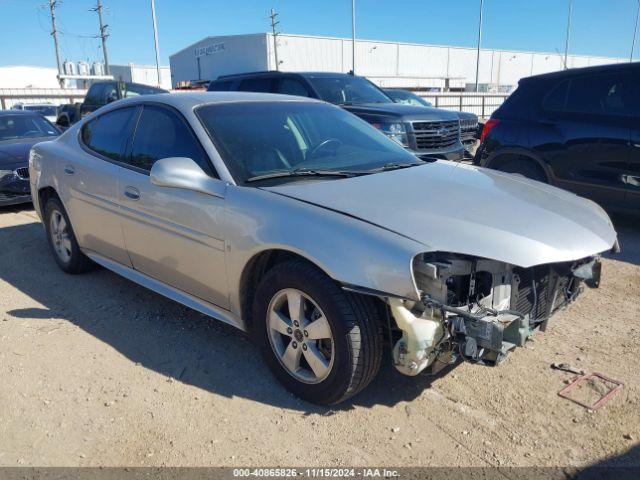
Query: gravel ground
(95,370)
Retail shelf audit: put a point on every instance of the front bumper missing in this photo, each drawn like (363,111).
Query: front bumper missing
(482,335)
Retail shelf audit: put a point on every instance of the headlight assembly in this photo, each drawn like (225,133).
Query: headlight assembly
(395,131)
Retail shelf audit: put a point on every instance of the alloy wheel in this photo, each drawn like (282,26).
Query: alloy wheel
(300,336)
(59,231)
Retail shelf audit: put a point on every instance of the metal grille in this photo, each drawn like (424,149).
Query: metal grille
(22,172)
(550,291)
(468,130)
(436,135)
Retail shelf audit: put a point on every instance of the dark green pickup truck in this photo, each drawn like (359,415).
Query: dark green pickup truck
(99,94)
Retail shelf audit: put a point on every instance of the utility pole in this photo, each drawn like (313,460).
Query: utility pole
(635,31)
(103,35)
(274,23)
(566,45)
(155,39)
(353,37)
(479,42)
(54,33)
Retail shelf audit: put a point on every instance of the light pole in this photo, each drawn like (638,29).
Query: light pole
(353,37)
(479,42)
(635,31)
(566,45)
(155,39)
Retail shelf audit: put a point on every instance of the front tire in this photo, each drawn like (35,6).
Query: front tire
(322,343)
(62,241)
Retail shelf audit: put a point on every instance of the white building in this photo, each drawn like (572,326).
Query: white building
(389,64)
(145,74)
(23,76)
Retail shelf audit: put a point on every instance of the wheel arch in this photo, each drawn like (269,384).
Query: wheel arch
(503,155)
(257,267)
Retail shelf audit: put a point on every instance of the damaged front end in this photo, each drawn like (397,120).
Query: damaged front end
(480,309)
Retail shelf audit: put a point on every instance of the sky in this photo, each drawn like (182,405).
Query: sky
(600,27)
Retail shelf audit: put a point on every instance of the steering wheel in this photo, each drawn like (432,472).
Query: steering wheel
(325,144)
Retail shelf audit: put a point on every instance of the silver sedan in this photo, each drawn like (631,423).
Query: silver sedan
(322,238)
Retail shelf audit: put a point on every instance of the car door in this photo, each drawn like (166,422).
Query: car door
(632,175)
(89,183)
(172,235)
(589,148)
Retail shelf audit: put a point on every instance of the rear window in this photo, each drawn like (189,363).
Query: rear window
(608,94)
(256,85)
(556,100)
(220,86)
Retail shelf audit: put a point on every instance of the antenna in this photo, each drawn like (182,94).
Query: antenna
(274,22)
(54,33)
(103,35)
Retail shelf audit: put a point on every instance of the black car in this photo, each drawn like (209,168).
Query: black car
(577,129)
(468,120)
(427,132)
(99,94)
(19,131)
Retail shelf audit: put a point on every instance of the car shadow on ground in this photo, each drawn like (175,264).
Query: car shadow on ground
(628,228)
(625,466)
(161,335)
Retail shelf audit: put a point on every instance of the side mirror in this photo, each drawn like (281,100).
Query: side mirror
(184,173)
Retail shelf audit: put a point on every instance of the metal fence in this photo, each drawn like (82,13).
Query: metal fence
(57,96)
(482,104)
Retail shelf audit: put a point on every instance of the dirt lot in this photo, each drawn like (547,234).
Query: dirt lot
(95,370)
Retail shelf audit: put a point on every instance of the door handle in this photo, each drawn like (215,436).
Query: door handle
(132,193)
(69,170)
(631,180)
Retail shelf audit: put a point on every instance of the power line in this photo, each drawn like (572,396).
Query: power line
(103,35)
(54,32)
(274,23)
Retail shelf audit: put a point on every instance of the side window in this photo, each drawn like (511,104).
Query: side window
(94,93)
(108,134)
(556,100)
(609,94)
(109,94)
(262,84)
(162,134)
(291,86)
(223,86)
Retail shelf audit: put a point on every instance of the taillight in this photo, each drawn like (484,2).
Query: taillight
(492,122)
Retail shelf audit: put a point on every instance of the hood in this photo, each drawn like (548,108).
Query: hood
(467,116)
(464,209)
(15,153)
(408,112)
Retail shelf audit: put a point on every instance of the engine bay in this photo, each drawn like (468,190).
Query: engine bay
(479,309)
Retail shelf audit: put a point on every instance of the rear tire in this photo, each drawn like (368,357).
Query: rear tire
(526,168)
(62,241)
(341,329)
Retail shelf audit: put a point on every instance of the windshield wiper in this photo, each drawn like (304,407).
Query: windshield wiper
(301,172)
(394,166)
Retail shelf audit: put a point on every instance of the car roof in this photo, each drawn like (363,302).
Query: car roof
(570,72)
(19,112)
(279,73)
(188,100)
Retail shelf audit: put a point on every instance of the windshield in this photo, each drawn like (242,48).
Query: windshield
(258,138)
(408,98)
(135,90)
(348,89)
(25,126)
(46,110)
